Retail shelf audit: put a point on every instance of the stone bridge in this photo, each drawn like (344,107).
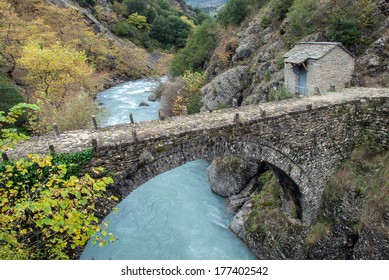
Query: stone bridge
(303,139)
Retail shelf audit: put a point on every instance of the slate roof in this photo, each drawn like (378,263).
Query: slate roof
(310,50)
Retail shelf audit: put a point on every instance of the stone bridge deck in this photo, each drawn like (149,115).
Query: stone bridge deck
(110,136)
(302,140)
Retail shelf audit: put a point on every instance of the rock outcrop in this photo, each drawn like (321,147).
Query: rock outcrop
(231,175)
(230,85)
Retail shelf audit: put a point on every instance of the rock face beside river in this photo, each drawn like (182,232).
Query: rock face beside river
(353,222)
(258,46)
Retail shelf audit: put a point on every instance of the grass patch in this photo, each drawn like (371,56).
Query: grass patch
(267,203)
(229,164)
(366,174)
(280,94)
(320,230)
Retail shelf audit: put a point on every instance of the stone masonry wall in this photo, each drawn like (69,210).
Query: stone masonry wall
(334,68)
(305,138)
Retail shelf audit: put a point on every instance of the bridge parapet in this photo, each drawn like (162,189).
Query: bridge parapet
(304,138)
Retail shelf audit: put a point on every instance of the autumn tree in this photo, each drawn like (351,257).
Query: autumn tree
(138,21)
(54,70)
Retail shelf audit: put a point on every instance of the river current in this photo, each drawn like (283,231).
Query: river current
(172,216)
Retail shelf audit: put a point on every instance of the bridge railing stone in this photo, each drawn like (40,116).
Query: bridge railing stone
(94,121)
(56,129)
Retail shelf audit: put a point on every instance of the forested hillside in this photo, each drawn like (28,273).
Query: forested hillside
(59,53)
(241,51)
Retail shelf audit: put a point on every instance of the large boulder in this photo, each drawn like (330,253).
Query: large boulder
(143,104)
(224,88)
(230,175)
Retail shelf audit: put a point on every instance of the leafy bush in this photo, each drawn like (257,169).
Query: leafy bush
(280,8)
(124,29)
(199,48)
(351,22)
(86,3)
(266,20)
(136,6)
(193,82)
(75,162)
(170,31)
(303,18)
(9,136)
(234,12)
(194,104)
(45,213)
(346,31)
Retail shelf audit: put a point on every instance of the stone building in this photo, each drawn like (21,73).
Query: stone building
(316,66)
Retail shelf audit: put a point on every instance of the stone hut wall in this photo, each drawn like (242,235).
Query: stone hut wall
(334,68)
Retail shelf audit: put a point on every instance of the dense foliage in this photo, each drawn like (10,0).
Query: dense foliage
(9,94)
(347,21)
(166,26)
(234,12)
(9,135)
(198,50)
(59,61)
(46,209)
(45,212)
(182,92)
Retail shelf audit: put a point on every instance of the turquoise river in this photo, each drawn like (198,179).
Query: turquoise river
(173,216)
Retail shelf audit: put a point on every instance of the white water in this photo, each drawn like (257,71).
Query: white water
(173,216)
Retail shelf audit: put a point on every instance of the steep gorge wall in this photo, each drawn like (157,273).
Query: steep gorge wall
(259,47)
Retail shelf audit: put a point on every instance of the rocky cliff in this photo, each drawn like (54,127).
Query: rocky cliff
(353,222)
(259,47)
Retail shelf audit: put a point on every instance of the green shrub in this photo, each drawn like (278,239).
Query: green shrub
(266,20)
(345,31)
(234,12)
(280,8)
(170,31)
(86,3)
(303,18)
(195,103)
(199,49)
(45,212)
(351,22)
(280,94)
(124,29)
(75,162)
(136,6)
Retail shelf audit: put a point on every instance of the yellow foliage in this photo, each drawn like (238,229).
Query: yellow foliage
(45,211)
(193,82)
(131,61)
(54,70)
(138,21)
(227,46)
(178,105)
(188,21)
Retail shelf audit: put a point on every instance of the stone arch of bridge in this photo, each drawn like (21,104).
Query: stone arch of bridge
(293,179)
